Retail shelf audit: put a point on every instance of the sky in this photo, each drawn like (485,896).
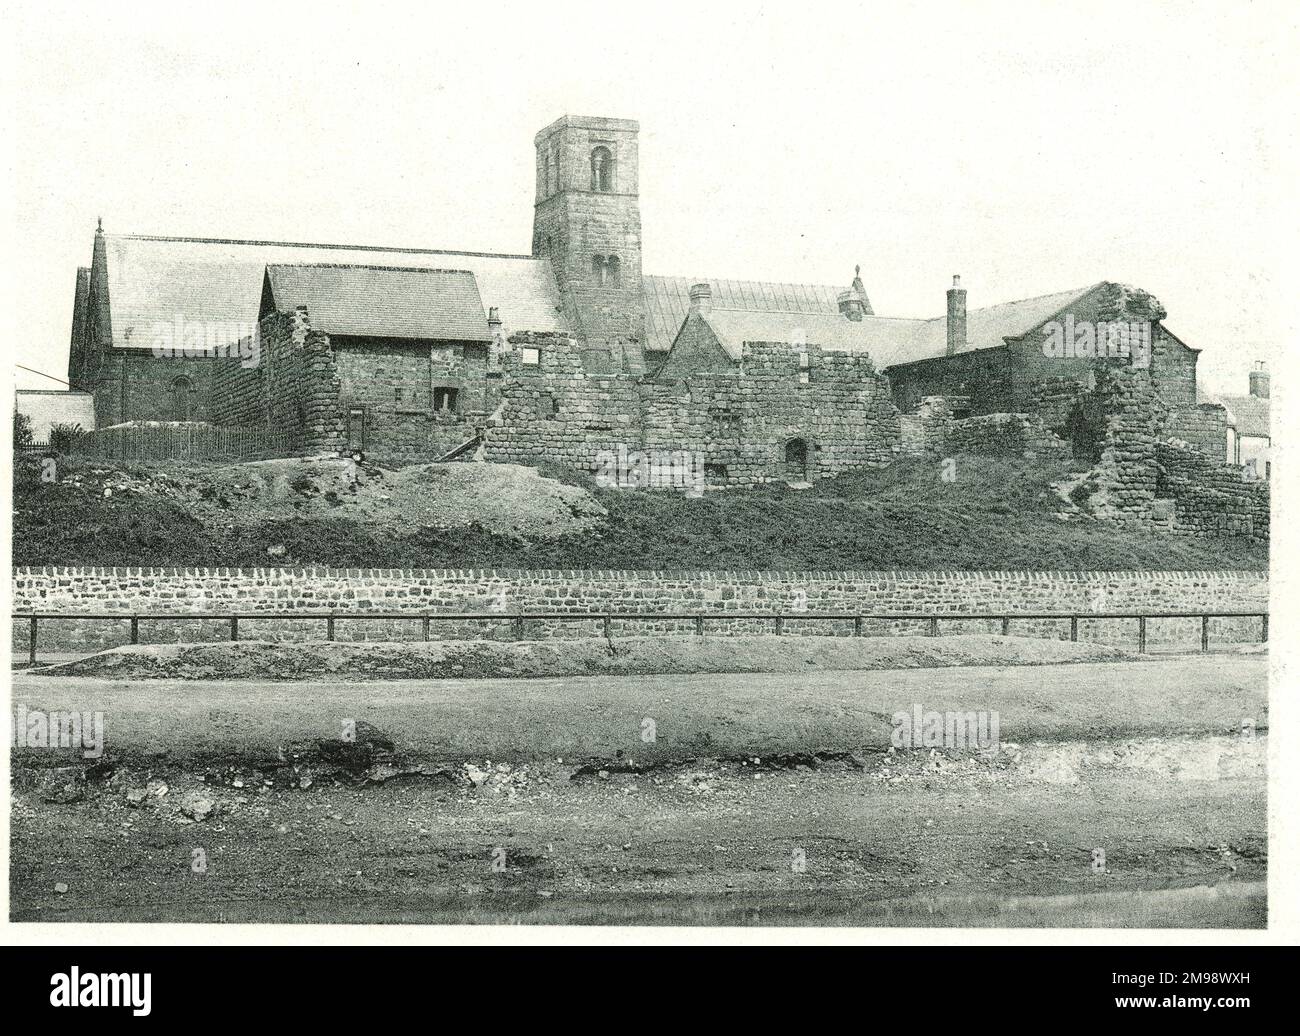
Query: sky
(1030,148)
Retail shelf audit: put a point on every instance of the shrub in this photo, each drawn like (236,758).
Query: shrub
(64,437)
(22,430)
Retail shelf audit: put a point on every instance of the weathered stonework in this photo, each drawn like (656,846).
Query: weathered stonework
(361,591)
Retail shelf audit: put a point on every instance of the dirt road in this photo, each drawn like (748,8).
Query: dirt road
(1174,797)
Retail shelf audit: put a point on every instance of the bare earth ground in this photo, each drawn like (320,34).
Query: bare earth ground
(538,801)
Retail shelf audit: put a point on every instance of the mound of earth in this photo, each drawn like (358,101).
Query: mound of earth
(507,499)
(633,656)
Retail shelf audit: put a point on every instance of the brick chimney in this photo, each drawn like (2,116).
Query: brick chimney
(956,316)
(1259,380)
(701,298)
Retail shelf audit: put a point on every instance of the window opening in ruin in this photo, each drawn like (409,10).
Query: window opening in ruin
(444,399)
(715,474)
(602,170)
(531,357)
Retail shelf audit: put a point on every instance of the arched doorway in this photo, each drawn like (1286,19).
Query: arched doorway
(796,459)
(182,403)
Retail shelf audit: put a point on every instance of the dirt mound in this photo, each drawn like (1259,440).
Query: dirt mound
(635,656)
(503,498)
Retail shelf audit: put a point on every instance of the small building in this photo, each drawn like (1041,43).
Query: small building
(46,408)
(1250,438)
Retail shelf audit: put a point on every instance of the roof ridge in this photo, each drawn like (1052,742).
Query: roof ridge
(743,280)
(310,244)
(806,313)
(364,266)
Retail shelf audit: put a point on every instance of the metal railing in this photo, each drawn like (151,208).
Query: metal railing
(608,618)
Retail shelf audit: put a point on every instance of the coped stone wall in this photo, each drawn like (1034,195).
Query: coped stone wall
(508,592)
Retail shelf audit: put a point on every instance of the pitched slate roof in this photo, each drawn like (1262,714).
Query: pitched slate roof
(667,300)
(888,340)
(380,301)
(1250,414)
(153,280)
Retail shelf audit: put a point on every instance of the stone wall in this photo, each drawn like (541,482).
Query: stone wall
(831,408)
(1204,426)
(506,592)
(1211,499)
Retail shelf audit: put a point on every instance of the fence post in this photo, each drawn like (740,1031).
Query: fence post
(519,627)
(1074,627)
(1205,633)
(1006,625)
(699,625)
(234,627)
(31,648)
(135,629)
(1263,628)
(329,627)
(934,626)
(424,626)
(1142,634)
(607,626)
(780,624)
(857,625)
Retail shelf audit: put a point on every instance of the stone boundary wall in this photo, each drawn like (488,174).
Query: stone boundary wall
(508,591)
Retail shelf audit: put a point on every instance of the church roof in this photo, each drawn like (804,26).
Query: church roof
(380,301)
(887,340)
(159,280)
(667,300)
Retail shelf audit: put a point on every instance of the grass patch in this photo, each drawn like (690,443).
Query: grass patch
(998,514)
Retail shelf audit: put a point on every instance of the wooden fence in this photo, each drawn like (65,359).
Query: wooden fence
(150,442)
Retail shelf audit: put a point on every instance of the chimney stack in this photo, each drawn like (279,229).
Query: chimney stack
(701,298)
(494,320)
(1259,380)
(956,316)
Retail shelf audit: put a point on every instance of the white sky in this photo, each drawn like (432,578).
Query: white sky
(1029,147)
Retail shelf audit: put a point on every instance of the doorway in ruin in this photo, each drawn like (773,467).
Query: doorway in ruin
(796,460)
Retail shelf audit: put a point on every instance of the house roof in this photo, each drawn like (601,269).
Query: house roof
(380,301)
(1250,414)
(887,340)
(160,280)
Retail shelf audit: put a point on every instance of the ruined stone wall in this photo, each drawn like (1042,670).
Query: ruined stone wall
(1211,499)
(831,409)
(1204,426)
(408,420)
(1007,435)
(555,411)
(788,413)
(300,383)
(357,592)
(1127,473)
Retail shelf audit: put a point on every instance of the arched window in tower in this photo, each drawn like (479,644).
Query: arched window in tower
(613,272)
(182,399)
(598,271)
(602,169)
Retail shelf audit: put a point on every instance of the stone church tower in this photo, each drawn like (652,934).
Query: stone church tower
(588,221)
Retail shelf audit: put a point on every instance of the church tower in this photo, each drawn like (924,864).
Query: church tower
(588,221)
